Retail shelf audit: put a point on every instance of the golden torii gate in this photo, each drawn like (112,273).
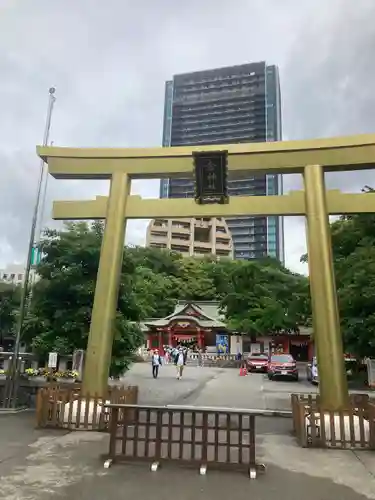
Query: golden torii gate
(311,158)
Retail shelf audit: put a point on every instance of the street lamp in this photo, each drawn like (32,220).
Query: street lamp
(11,386)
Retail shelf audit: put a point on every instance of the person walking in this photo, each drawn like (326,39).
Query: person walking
(156,363)
(200,358)
(180,361)
(166,356)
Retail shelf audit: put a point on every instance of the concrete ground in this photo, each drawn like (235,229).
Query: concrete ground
(166,389)
(45,465)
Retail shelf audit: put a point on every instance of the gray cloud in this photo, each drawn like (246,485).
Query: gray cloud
(109,61)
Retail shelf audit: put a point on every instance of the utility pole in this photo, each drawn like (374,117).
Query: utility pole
(11,386)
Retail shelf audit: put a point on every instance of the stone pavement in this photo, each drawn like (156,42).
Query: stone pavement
(67,466)
(43,465)
(228,389)
(166,389)
(17,432)
(255,391)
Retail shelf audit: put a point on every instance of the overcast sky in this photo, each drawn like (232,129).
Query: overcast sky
(109,61)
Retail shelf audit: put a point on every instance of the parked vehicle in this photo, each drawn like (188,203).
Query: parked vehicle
(282,365)
(312,371)
(312,374)
(257,362)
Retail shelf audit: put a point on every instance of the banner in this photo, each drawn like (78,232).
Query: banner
(36,256)
(222,344)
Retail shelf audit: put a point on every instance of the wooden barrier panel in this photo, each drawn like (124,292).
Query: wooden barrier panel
(190,436)
(352,428)
(63,407)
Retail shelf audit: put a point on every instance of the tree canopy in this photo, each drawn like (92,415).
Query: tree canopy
(60,312)
(256,296)
(264,297)
(353,244)
(353,249)
(9,304)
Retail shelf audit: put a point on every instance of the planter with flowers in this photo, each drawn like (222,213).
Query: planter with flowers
(52,376)
(4,373)
(67,375)
(31,372)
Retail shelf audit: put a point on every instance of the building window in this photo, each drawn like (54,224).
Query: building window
(272,239)
(158,245)
(180,236)
(180,248)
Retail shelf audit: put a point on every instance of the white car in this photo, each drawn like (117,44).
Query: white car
(312,371)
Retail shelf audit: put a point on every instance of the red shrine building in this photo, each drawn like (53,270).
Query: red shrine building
(197,324)
(201,325)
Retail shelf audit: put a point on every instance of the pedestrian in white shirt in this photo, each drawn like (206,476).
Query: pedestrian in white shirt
(155,362)
(166,357)
(180,361)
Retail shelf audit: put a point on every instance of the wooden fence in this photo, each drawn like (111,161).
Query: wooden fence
(65,407)
(352,428)
(190,436)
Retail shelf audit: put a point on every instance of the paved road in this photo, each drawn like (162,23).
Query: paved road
(36,465)
(67,467)
(17,432)
(252,391)
(166,389)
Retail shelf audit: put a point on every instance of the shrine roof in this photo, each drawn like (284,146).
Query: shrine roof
(205,313)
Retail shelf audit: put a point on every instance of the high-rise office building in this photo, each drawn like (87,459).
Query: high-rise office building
(221,106)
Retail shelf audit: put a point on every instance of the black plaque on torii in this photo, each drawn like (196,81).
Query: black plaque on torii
(210,170)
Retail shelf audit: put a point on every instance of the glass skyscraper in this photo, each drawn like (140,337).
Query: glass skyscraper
(221,106)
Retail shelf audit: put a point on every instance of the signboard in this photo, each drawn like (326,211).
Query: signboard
(222,344)
(211,177)
(371,372)
(184,337)
(52,360)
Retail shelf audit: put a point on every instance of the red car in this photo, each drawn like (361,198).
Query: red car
(282,365)
(257,362)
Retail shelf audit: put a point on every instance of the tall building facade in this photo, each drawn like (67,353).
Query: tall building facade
(14,274)
(221,106)
(191,237)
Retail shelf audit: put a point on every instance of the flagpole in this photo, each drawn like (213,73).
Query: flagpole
(10,393)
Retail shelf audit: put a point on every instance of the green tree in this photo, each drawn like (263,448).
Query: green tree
(196,284)
(62,299)
(156,294)
(353,249)
(160,261)
(219,273)
(356,294)
(9,304)
(353,246)
(265,297)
